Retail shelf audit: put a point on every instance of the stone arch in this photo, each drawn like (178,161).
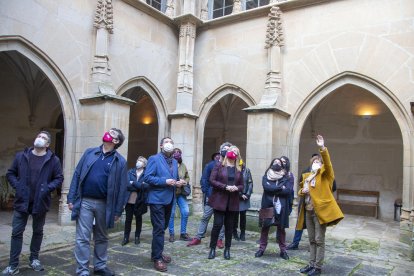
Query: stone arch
(204,111)
(67,100)
(155,95)
(385,95)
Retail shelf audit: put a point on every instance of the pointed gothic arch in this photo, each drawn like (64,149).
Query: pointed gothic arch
(385,95)
(67,101)
(204,111)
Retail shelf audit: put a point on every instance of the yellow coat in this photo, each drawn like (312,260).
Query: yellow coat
(324,203)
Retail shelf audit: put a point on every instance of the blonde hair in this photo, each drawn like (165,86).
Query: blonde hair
(236,162)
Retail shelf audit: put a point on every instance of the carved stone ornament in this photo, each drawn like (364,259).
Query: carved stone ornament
(188,30)
(274,33)
(237,6)
(104,15)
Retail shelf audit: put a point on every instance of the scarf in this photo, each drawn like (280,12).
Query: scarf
(311,178)
(273,175)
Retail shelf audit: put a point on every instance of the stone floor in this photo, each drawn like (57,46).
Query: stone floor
(357,246)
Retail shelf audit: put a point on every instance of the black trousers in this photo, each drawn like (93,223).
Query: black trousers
(220,218)
(242,221)
(129,214)
(19,225)
(160,217)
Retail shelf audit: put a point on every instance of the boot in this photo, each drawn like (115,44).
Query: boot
(226,253)
(236,235)
(137,240)
(125,240)
(212,253)
(243,235)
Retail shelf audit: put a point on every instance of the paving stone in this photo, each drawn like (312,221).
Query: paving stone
(368,270)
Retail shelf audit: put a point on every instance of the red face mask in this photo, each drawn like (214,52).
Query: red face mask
(107,138)
(231,155)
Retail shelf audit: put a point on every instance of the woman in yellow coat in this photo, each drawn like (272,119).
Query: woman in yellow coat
(320,208)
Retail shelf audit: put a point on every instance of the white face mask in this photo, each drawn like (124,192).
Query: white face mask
(316,166)
(139,165)
(168,147)
(40,143)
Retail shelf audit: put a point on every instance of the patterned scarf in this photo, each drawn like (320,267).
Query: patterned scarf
(273,175)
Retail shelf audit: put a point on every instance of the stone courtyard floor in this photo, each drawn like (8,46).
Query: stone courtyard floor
(357,246)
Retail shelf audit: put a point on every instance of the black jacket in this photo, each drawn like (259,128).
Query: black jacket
(50,177)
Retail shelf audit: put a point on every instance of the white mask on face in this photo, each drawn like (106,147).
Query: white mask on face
(39,143)
(168,147)
(316,166)
(139,165)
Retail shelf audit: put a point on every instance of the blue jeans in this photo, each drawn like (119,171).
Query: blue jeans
(19,225)
(298,236)
(160,216)
(92,210)
(184,211)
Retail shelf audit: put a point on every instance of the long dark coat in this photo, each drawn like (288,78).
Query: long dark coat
(220,197)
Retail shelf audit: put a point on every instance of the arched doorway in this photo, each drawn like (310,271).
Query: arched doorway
(365,143)
(67,107)
(29,101)
(143,126)
(226,121)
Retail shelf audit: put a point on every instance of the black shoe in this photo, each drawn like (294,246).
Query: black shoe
(242,236)
(315,271)
(125,241)
(212,253)
(293,246)
(284,255)
(104,271)
(259,253)
(236,236)
(226,253)
(306,269)
(137,240)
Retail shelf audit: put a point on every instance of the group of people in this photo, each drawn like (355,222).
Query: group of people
(102,188)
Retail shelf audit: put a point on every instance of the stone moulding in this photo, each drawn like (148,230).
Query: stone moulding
(99,98)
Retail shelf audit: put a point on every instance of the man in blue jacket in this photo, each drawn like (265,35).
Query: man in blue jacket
(34,174)
(207,190)
(96,198)
(162,177)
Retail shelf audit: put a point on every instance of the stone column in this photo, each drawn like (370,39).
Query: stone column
(183,118)
(266,139)
(267,123)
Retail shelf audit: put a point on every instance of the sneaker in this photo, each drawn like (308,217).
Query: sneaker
(36,265)
(293,246)
(220,244)
(185,237)
(10,271)
(104,272)
(194,241)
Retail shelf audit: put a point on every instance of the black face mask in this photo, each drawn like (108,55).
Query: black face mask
(223,153)
(276,167)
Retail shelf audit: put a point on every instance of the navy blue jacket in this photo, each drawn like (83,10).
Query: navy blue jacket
(117,181)
(50,178)
(138,186)
(205,180)
(156,174)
